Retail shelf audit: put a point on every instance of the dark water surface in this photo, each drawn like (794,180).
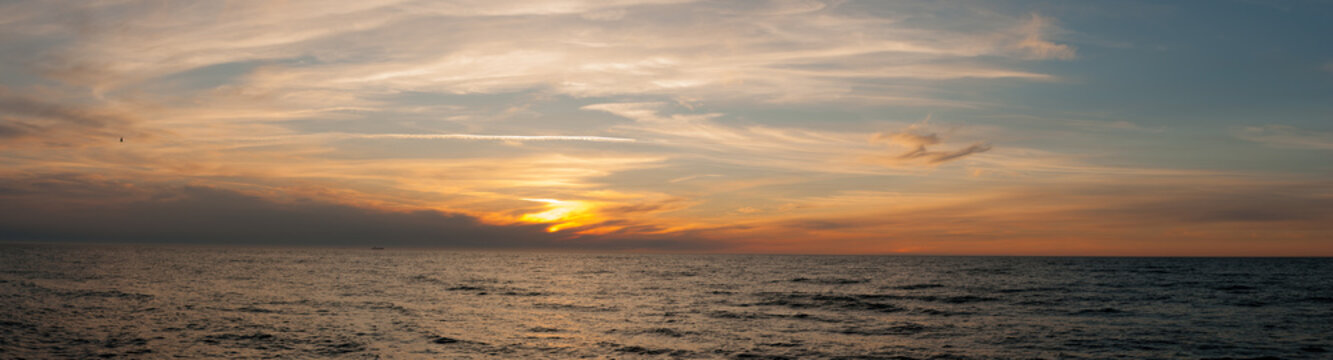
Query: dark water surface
(66,301)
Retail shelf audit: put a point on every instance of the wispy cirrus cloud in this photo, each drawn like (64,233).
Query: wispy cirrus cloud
(798,55)
(754,145)
(1283,136)
(516,138)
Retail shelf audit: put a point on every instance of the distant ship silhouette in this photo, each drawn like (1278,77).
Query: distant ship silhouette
(377,248)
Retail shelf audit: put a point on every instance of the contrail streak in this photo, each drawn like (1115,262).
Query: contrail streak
(496,137)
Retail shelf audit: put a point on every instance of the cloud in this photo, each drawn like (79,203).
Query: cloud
(604,15)
(795,51)
(936,157)
(18,105)
(82,208)
(646,207)
(519,138)
(1295,204)
(1034,44)
(704,136)
(908,139)
(56,123)
(1158,215)
(11,129)
(692,177)
(823,224)
(1283,136)
(920,144)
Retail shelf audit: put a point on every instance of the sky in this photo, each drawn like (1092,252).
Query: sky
(1182,128)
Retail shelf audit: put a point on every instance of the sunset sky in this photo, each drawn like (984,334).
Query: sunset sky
(848,127)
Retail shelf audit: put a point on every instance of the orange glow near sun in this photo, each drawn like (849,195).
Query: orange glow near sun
(562,214)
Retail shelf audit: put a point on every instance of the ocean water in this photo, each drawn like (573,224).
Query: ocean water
(68,301)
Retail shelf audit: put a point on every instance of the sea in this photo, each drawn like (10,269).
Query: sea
(158,302)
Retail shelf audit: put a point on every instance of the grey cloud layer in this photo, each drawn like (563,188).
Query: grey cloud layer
(1116,208)
(80,208)
(26,119)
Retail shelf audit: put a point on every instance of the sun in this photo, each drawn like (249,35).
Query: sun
(563,213)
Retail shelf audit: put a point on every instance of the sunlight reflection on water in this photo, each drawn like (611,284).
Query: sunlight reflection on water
(134,301)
